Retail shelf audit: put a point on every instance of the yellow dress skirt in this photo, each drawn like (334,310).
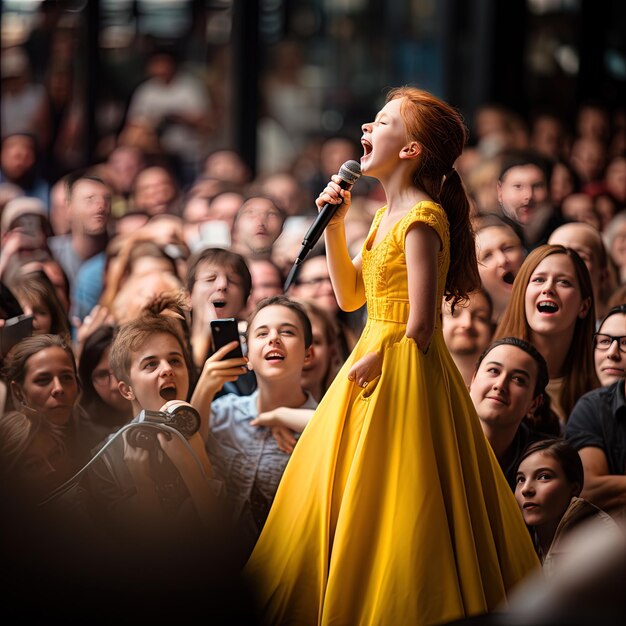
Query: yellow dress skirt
(393,509)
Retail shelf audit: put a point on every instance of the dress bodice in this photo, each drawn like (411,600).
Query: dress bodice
(384,264)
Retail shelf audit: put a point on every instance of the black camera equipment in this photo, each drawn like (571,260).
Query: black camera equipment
(181,416)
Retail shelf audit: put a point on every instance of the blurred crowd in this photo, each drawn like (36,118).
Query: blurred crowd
(111,275)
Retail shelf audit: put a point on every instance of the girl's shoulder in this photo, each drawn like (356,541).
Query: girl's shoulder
(429,213)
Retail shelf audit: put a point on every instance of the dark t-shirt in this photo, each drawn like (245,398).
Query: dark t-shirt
(598,420)
(511,460)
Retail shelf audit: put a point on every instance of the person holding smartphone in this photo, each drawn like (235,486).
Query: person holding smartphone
(250,438)
(219,285)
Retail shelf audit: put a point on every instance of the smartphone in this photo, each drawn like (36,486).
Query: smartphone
(14,330)
(224,331)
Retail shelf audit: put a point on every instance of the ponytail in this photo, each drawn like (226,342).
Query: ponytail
(463,276)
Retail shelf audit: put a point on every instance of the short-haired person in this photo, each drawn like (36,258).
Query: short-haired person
(524,195)
(580,207)
(169,480)
(609,346)
(587,242)
(614,236)
(267,281)
(89,209)
(154,191)
(161,506)
(467,331)
(219,284)
(500,254)
(508,391)
(257,225)
(247,455)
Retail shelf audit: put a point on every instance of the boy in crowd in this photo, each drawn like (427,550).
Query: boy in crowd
(160,502)
(508,391)
(524,195)
(219,284)
(258,224)
(249,438)
(166,480)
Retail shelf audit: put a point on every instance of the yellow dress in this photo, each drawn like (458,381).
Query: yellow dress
(392,509)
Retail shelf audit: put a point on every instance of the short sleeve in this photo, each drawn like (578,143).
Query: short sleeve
(428,213)
(583,428)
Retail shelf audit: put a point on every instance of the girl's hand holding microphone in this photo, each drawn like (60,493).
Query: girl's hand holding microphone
(334,194)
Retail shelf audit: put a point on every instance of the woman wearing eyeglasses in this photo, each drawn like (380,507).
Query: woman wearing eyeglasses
(609,347)
(104,408)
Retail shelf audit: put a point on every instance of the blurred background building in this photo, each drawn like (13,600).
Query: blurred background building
(279,73)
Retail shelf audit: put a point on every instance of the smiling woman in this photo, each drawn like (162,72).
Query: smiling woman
(552,306)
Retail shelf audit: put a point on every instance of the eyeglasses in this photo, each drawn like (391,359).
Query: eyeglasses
(604,342)
(315,281)
(102,377)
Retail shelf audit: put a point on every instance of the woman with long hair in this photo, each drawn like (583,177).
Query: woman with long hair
(37,296)
(552,307)
(319,373)
(105,409)
(42,375)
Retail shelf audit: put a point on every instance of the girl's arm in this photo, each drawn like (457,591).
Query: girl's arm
(345,273)
(421,247)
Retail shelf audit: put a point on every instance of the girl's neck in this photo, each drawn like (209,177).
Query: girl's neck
(400,190)
(404,199)
(275,394)
(554,349)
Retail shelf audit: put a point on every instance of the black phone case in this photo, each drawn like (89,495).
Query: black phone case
(224,331)
(14,330)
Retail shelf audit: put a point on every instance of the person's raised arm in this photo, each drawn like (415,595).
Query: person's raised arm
(345,273)
(421,247)
(215,373)
(603,489)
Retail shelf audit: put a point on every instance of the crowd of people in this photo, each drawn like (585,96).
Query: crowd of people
(111,276)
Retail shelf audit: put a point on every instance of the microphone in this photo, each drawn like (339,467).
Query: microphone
(349,173)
